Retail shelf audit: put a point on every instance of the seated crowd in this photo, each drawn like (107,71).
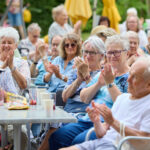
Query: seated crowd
(106,77)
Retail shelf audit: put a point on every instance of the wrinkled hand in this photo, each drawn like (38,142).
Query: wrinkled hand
(10,58)
(108,74)
(93,113)
(48,68)
(101,80)
(42,48)
(106,113)
(77,61)
(83,69)
(53,69)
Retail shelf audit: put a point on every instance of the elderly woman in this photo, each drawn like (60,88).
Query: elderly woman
(132,23)
(59,70)
(134,50)
(93,52)
(60,25)
(19,68)
(104,88)
(37,68)
(30,42)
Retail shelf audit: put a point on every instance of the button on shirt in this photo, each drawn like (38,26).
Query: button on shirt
(56,83)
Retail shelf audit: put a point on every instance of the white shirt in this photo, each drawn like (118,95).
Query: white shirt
(133,113)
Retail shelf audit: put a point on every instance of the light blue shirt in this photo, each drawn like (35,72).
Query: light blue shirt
(55,83)
(41,72)
(103,96)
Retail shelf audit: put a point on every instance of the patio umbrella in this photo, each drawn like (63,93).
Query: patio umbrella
(110,10)
(78,10)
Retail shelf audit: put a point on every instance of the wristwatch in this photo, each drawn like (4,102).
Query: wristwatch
(110,85)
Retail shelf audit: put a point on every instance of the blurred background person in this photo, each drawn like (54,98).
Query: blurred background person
(104,21)
(60,25)
(15,16)
(27,46)
(37,68)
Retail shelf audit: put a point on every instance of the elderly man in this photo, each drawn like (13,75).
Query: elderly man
(131,111)
(37,68)
(19,68)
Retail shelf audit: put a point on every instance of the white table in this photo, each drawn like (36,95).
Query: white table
(36,114)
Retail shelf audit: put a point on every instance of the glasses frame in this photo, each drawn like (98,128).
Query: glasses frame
(67,45)
(118,52)
(91,53)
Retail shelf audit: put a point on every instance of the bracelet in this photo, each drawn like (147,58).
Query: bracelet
(13,69)
(110,85)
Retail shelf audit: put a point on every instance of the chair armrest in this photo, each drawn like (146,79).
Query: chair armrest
(89,133)
(129,138)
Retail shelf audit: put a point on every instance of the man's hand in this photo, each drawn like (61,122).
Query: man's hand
(106,113)
(94,113)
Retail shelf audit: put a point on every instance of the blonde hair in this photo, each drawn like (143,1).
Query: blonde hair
(72,37)
(57,10)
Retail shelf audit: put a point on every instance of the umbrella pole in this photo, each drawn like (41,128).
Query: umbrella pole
(94,13)
(23,23)
(5,14)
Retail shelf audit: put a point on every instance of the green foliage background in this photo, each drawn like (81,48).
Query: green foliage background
(41,10)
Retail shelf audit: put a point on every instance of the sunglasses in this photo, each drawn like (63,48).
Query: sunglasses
(72,45)
(35,36)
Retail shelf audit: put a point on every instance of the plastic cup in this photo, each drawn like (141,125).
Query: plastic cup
(48,106)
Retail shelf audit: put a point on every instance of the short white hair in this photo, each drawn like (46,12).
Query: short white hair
(117,39)
(9,32)
(132,34)
(132,10)
(96,43)
(33,27)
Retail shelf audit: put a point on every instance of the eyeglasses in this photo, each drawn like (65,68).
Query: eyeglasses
(115,53)
(91,53)
(35,36)
(72,45)
(55,44)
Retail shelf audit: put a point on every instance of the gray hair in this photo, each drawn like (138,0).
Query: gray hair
(96,43)
(33,27)
(132,10)
(9,32)
(117,39)
(57,10)
(132,34)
